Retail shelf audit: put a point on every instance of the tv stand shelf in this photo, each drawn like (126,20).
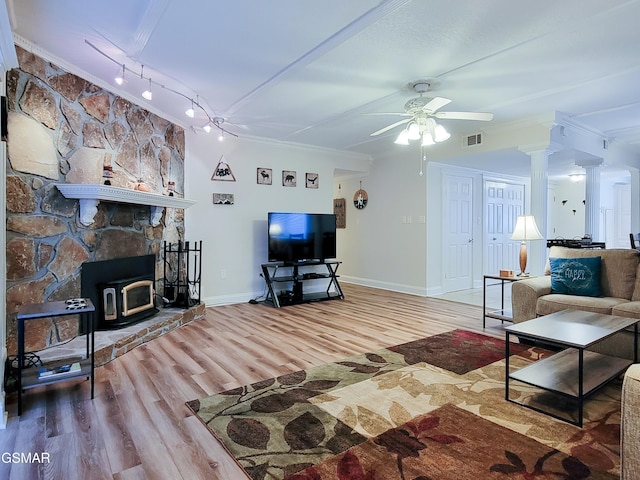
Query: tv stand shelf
(273,275)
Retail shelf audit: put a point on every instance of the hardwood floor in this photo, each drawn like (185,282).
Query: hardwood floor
(138,426)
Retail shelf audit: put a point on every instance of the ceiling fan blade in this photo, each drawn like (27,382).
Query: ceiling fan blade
(389,127)
(397,114)
(435,104)
(485,117)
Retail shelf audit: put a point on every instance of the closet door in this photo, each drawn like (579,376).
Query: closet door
(458,233)
(503,203)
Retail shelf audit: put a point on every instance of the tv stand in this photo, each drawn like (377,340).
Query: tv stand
(297,276)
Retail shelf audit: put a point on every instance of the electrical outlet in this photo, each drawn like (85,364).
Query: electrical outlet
(223,274)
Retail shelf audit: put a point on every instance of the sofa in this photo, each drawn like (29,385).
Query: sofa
(630,425)
(620,294)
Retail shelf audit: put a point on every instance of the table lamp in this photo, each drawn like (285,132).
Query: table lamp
(525,229)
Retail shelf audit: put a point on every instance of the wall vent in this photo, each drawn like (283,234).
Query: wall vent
(473,140)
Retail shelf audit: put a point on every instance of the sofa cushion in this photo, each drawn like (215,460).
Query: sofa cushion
(618,268)
(556,302)
(576,276)
(636,289)
(628,309)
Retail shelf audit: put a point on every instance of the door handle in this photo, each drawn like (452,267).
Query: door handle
(471,240)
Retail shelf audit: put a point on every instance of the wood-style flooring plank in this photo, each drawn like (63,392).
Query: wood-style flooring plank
(138,426)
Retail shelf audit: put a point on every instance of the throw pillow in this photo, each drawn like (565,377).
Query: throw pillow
(576,276)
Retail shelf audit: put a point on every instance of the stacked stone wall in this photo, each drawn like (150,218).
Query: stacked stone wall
(64,129)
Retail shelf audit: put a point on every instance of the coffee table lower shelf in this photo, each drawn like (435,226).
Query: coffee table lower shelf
(560,374)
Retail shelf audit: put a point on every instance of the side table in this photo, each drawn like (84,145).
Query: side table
(502,314)
(29,378)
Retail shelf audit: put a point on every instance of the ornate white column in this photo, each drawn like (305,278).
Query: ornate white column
(538,206)
(592,197)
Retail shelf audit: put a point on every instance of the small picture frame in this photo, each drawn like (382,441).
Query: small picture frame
(223,199)
(312,180)
(289,178)
(264,176)
(340,211)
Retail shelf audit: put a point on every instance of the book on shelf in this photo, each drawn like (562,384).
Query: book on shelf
(61,371)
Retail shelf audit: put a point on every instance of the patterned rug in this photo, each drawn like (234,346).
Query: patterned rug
(429,409)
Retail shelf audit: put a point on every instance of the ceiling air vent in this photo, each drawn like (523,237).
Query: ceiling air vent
(473,140)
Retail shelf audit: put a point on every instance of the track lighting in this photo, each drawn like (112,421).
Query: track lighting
(148,94)
(190,111)
(120,78)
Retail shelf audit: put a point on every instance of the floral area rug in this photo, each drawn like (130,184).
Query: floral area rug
(429,409)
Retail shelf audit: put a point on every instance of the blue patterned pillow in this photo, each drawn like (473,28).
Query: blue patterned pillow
(576,276)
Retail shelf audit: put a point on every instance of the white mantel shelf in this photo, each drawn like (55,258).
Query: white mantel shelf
(90,195)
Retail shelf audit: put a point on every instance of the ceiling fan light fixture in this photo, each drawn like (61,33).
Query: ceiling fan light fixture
(413,131)
(427,139)
(403,138)
(440,134)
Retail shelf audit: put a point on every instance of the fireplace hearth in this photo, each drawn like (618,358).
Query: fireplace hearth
(122,289)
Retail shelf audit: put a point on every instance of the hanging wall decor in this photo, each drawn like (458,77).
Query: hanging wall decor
(223,199)
(223,172)
(311,180)
(340,211)
(288,178)
(360,198)
(264,176)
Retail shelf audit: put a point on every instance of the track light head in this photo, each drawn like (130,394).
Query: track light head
(148,94)
(120,78)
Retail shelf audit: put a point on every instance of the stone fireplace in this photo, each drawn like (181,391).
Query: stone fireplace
(63,129)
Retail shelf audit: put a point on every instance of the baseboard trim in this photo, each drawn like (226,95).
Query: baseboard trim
(394,287)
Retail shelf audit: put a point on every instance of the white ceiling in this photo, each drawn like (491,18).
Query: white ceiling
(307,71)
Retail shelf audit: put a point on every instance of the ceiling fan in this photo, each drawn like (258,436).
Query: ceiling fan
(422,112)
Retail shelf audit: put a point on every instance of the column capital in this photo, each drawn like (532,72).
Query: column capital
(589,162)
(539,149)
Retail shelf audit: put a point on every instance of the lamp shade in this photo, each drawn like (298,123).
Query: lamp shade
(427,139)
(414,131)
(441,134)
(526,229)
(403,138)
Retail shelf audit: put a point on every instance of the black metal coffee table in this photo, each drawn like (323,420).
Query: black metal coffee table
(573,331)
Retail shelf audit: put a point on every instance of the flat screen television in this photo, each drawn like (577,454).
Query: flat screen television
(299,237)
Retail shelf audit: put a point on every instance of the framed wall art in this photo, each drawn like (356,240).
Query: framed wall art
(340,211)
(360,199)
(223,172)
(288,178)
(311,180)
(264,176)
(223,199)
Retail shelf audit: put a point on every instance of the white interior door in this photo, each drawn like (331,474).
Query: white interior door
(458,233)
(503,203)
